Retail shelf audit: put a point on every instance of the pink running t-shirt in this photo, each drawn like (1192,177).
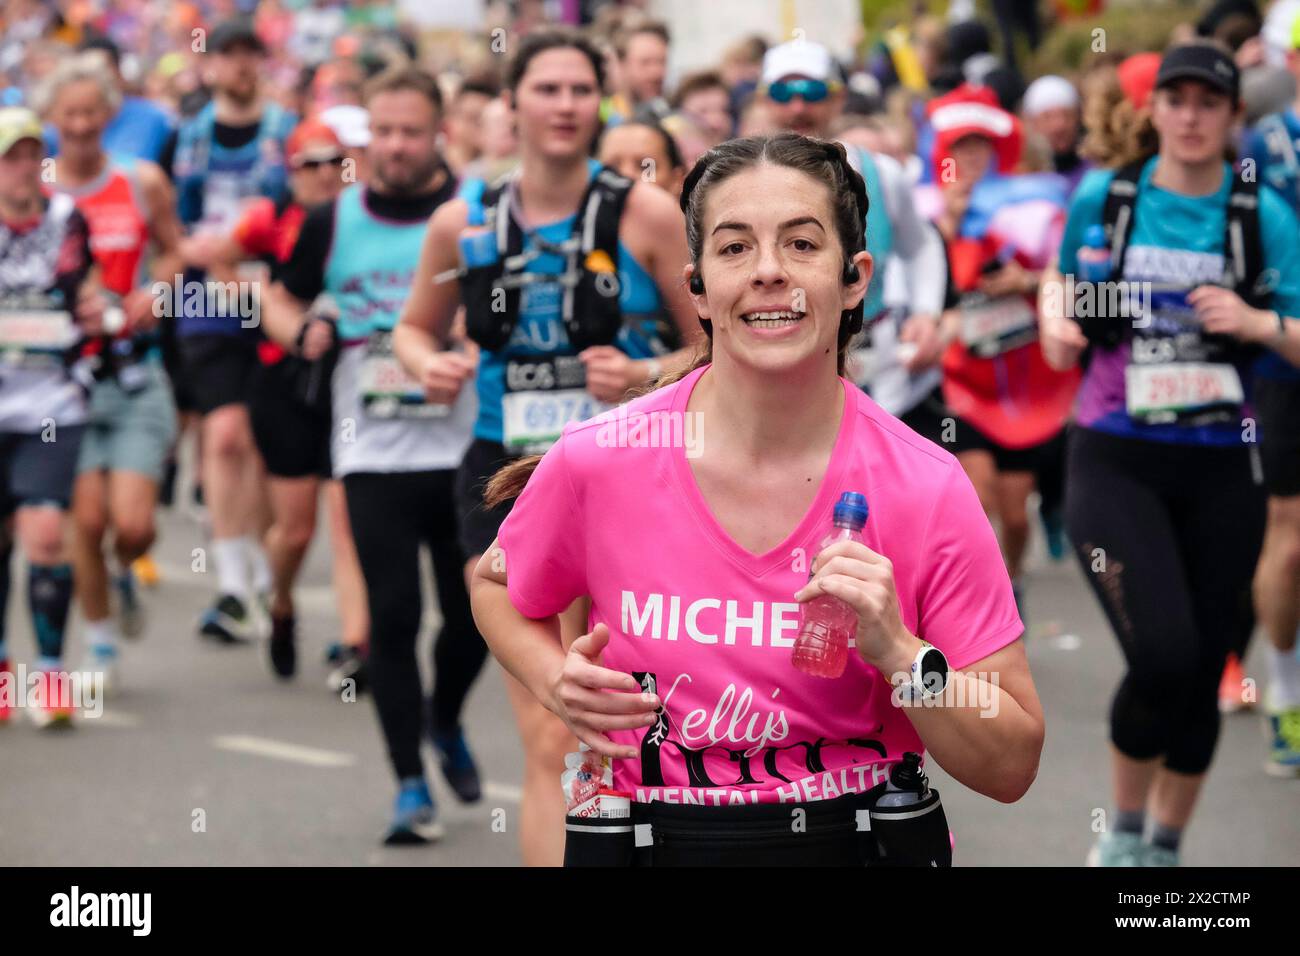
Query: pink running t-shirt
(612,513)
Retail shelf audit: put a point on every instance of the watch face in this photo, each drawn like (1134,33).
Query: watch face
(934,670)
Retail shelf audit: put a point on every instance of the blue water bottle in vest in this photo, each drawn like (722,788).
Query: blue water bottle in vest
(1094,255)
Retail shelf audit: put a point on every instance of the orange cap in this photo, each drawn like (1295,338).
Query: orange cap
(310,136)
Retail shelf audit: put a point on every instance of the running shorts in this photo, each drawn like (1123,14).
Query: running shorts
(34,471)
(479,524)
(217,369)
(1277,404)
(130,431)
(294,440)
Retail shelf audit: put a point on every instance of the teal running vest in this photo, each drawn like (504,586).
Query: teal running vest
(370,267)
(880,234)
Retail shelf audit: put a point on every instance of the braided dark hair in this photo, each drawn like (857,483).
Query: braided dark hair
(824,160)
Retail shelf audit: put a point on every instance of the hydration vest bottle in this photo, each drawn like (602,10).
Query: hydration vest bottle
(1094,255)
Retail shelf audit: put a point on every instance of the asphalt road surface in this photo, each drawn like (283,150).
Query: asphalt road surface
(204,758)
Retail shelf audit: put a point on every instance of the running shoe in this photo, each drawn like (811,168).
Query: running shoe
(9,691)
(130,612)
(282,646)
(415,817)
(350,664)
(48,708)
(1284,743)
(101,663)
(1118,849)
(1054,531)
(1153,855)
(146,571)
(228,621)
(457,765)
(1231,687)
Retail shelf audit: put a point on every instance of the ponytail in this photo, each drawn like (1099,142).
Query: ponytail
(1119,133)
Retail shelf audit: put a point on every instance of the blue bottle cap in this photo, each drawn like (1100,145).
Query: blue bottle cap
(851,510)
(1094,237)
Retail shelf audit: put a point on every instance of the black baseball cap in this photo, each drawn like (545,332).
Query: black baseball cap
(1203,62)
(235,32)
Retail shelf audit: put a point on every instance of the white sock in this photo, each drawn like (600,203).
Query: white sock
(101,634)
(1284,670)
(261,567)
(232,566)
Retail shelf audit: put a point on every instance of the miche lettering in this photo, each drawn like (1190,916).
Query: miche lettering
(710,620)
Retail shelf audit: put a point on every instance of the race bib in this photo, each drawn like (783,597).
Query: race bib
(992,326)
(36,338)
(1169,392)
(387,390)
(542,396)
(1176,373)
(223,193)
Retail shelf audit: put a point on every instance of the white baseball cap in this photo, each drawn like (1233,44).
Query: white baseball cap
(351,124)
(1049,93)
(798,58)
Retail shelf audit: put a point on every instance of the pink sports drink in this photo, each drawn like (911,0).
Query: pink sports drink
(826,624)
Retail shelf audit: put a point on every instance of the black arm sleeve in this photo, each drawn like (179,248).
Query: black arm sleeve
(167,158)
(303,274)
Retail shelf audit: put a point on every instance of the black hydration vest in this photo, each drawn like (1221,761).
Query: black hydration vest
(494,272)
(1242,247)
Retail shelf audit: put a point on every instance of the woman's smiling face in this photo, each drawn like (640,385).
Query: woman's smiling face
(772,265)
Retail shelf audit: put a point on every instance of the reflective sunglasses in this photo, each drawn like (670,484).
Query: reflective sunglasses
(811,91)
(317,163)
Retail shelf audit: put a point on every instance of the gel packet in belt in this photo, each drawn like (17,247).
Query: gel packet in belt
(585,774)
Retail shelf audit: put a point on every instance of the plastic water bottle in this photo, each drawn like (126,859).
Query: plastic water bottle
(908,824)
(826,623)
(1094,255)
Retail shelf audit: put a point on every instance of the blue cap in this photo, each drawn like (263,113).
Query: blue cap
(851,510)
(1094,237)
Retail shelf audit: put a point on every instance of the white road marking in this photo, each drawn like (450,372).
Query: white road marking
(279,750)
(502,791)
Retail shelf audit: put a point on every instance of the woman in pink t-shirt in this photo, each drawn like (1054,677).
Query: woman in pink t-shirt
(692,516)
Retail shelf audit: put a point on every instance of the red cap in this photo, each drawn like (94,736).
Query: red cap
(312,137)
(1137,77)
(974,110)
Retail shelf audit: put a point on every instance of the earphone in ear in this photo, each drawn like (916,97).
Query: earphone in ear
(697,283)
(851,273)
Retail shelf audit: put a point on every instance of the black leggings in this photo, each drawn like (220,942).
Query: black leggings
(391,515)
(1179,528)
